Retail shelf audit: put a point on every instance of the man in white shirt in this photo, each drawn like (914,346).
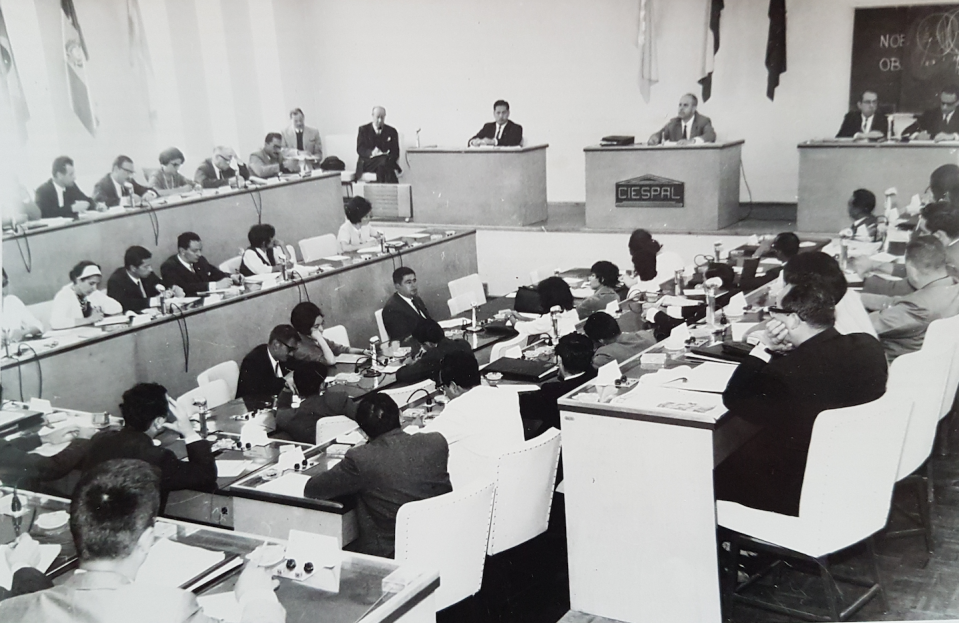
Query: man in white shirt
(688,128)
(864,122)
(60,196)
(18,322)
(119,184)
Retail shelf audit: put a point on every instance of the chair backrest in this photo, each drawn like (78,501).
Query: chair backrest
(449,533)
(216,393)
(380,326)
(232,265)
(525,478)
(318,247)
(942,342)
(329,428)
(461,303)
(470,284)
(512,348)
(41,311)
(337,334)
(229,371)
(921,378)
(402,395)
(290,253)
(851,470)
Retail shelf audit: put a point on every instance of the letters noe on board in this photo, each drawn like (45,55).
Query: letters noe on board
(650,191)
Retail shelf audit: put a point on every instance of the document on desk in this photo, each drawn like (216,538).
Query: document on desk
(173,564)
(677,301)
(48,553)
(349,358)
(706,377)
(229,469)
(221,607)
(700,406)
(291,484)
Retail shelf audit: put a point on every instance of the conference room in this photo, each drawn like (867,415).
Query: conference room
(542,260)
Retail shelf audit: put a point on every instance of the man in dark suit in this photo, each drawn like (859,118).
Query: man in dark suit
(119,183)
(865,123)
(222,169)
(940,124)
(135,285)
(803,367)
(60,196)
(268,368)
(688,128)
(539,409)
(499,133)
(147,411)
(378,147)
(435,345)
(392,469)
(190,271)
(405,308)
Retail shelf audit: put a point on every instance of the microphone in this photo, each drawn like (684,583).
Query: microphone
(418,130)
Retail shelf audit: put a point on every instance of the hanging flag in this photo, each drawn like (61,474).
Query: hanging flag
(140,56)
(11,89)
(711,47)
(75,56)
(776,45)
(646,42)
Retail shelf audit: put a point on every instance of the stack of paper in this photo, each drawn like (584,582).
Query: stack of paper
(291,484)
(173,564)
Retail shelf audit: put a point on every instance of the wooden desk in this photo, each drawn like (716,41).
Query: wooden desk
(710,173)
(479,185)
(830,170)
(299,208)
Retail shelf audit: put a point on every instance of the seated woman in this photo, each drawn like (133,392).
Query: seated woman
(80,302)
(265,254)
(435,346)
(651,264)
(167,179)
(865,224)
(299,424)
(553,292)
(603,277)
(611,343)
(308,319)
(18,323)
(357,232)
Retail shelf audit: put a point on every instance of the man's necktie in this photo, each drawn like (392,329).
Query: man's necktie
(865,122)
(685,134)
(499,131)
(299,140)
(142,291)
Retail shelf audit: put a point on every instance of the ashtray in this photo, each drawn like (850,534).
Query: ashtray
(52,521)
(266,555)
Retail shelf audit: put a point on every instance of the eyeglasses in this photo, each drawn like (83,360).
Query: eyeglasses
(130,171)
(290,347)
(779,310)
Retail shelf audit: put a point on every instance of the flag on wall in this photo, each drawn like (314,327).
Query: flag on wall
(711,47)
(775,45)
(75,56)
(140,56)
(11,89)
(646,42)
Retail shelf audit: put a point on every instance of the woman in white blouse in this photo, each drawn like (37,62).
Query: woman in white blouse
(553,292)
(265,254)
(357,232)
(80,302)
(18,322)
(651,264)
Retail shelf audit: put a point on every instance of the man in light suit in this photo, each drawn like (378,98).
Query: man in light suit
(392,469)
(268,162)
(866,122)
(404,310)
(302,137)
(499,133)
(941,220)
(688,128)
(112,518)
(119,183)
(378,148)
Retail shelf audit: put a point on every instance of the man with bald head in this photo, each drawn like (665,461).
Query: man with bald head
(688,128)
(378,147)
(220,169)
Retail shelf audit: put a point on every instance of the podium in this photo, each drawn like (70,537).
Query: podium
(688,188)
(478,185)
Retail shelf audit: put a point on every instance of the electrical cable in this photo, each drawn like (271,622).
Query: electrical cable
(154,221)
(257,205)
(20,348)
(184,334)
(23,240)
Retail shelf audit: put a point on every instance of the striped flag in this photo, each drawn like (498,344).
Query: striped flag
(711,47)
(646,42)
(775,46)
(140,56)
(75,56)
(11,89)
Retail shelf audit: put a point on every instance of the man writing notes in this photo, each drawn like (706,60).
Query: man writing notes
(866,123)
(189,270)
(119,183)
(302,137)
(378,148)
(134,285)
(689,128)
(940,124)
(222,169)
(404,310)
(60,196)
(499,133)
(267,162)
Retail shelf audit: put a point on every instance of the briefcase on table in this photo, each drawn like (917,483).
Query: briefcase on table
(616,140)
(528,301)
(528,370)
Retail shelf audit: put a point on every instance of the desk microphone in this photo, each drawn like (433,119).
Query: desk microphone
(418,130)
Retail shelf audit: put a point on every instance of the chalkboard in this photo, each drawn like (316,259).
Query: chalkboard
(906,54)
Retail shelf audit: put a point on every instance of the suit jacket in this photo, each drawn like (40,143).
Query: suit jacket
(400,318)
(198,280)
(300,423)
(26,580)
(257,377)
(512,135)
(428,366)
(827,371)
(541,404)
(206,175)
(702,126)
(106,192)
(389,471)
(263,164)
(931,122)
(626,345)
(388,142)
(852,123)
(603,296)
(46,200)
(17,463)
(122,288)
(311,140)
(901,321)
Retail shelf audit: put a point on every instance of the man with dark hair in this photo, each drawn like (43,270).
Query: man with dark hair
(941,220)
(611,343)
(783,246)
(112,518)
(135,285)
(222,169)
(269,367)
(539,409)
(435,346)
(688,127)
(300,423)
(189,270)
(302,137)
(267,161)
(148,411)
(944,184)
(119,183)
(941,123)
(392,469)
(404,310)
(802,367)
(851,316)
(901,321)
(865,224)
(866,122)
(378,147)
(499,133)
(60,196)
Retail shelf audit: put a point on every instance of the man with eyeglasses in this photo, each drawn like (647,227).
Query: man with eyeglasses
(802,366)
(940,123)
(866,123)
(222,169)
(269,367)
(119,184)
